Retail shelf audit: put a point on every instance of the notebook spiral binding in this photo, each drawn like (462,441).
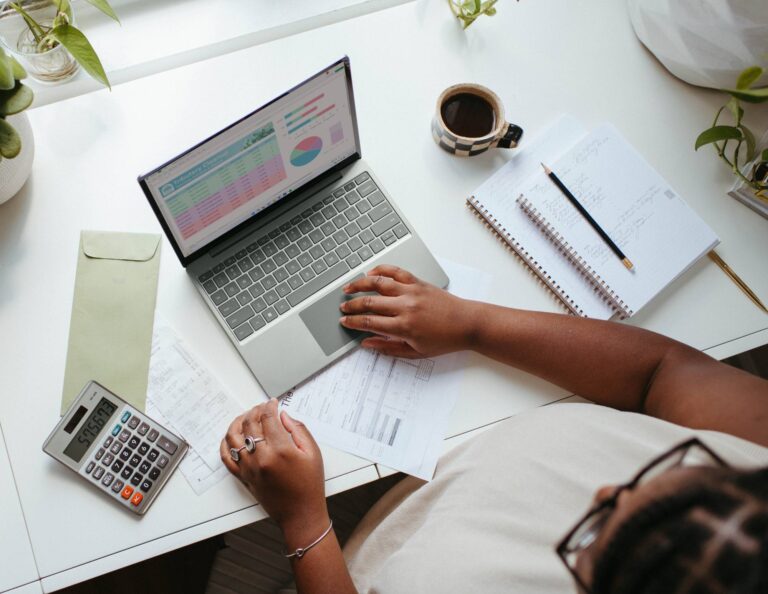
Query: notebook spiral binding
(600,286)
(530,262)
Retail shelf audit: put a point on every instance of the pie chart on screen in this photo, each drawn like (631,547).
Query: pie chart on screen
(306,151)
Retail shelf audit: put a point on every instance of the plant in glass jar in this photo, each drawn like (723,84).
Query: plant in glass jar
(44,35)
(735,143)
(467,11)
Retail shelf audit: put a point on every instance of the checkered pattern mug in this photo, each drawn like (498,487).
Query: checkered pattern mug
(470,120)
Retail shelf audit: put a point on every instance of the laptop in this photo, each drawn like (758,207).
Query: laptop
(273,215)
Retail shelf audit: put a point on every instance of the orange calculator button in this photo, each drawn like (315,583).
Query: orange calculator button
(126,494)
(137,497)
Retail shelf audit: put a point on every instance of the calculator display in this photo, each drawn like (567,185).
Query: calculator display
(90,430)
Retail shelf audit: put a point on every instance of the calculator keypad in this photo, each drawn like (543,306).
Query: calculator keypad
(127,464)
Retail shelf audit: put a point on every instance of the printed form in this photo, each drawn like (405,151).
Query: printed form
(385,409)
(183,395)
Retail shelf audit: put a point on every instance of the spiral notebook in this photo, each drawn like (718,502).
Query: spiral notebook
(638,209)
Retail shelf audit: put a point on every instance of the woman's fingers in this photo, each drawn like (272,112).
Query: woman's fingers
(393,272)
(299,432)
(226,458)
(383,285)
(234,436)
(383,325)
(385,306)
(394,348)
(274,432)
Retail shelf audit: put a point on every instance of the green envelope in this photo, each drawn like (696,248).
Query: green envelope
(110,334)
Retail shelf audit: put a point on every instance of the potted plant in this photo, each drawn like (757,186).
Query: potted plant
(468,10)
(16,141)
(43,35)
(736,145)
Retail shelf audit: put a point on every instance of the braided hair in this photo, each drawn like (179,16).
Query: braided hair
(709,538)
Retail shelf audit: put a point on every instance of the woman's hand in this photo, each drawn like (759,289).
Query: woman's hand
(284,473)
(413,318)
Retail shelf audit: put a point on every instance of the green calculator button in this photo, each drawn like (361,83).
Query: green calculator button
(116,430)
(126,416)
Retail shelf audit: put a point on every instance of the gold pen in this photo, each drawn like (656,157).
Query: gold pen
(714,256)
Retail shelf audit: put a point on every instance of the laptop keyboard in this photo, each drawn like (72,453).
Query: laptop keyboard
(289,264)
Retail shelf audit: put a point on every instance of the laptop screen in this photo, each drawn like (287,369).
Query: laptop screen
(218,185)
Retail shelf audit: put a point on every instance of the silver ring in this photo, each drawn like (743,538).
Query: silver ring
(235,453)
(250,443)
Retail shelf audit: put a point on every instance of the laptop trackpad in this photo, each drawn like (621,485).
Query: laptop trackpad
(322,319)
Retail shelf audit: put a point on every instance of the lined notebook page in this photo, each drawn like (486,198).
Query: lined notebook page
(497,196)
(638,209)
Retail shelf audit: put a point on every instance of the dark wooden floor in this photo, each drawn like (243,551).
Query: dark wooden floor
(186,570)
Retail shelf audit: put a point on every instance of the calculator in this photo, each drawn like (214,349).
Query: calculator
(116,448)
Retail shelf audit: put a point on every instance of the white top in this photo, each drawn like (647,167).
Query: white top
(490,519)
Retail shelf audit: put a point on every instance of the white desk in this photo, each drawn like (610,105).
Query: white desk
(19,573)
(541,58)
(157,35)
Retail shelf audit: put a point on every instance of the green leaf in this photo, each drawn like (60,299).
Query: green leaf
(748,76)
(736,111)
(717,133)
(750,139)
(750,95)
(10,141)
(82,50)
(104,7)
(18,69)
(34,26)
(764,155)
(7,81)
(15,100)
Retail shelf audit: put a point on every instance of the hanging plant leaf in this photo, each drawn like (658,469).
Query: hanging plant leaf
(716,134)
(82,50)
(15,100)
(10,141)
(750,95)
(104,7)
(750,138)
(736,110)
(748,76)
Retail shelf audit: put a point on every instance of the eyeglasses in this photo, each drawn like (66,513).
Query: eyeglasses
(689,453)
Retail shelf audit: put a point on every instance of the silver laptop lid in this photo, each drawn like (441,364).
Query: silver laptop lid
(210,192)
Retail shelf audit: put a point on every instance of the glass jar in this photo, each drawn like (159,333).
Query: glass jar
(52,65)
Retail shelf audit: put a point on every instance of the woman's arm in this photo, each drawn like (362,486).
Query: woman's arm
(285,474)
(611,364)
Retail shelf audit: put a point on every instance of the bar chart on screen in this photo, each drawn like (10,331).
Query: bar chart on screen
(308,112)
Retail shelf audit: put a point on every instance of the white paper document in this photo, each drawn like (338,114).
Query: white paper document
(385,409)
(198,474)
(183,395)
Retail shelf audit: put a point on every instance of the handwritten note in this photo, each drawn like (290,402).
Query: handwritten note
(635,206)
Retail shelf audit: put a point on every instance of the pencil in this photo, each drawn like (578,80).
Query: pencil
(583,211)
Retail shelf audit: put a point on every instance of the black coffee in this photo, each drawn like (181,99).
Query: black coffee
(466,114)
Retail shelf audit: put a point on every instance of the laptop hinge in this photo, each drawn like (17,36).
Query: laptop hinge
(219,249)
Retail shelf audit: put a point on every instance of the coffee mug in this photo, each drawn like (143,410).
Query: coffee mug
(470,120)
